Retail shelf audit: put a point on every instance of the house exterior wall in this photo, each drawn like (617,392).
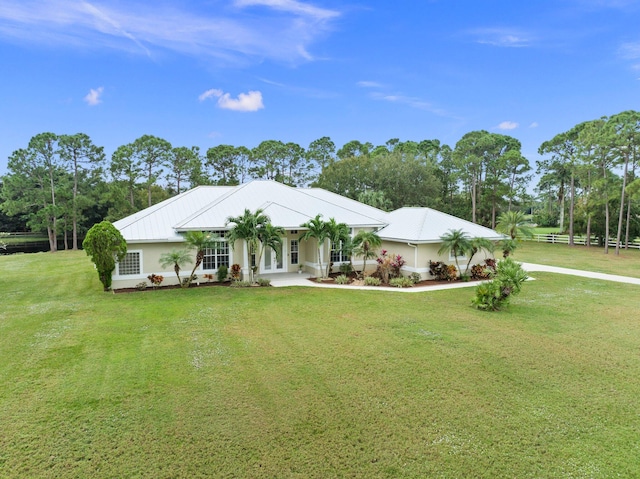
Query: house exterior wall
(150,254)
(425,253)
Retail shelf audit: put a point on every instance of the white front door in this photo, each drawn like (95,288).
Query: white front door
(273,263)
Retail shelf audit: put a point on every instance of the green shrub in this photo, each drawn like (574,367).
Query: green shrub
(223,272)
(372,281)
(141,286)
(495,294)
(264,282)
(240,284)
(401,282)
(346,269)
(415,277)
(342,279)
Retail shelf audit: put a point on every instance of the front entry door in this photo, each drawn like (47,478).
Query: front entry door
(273,263)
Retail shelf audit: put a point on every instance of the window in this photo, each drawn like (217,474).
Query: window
(130,264)
(337,254)
(218,256)
(294,251)
(460,256)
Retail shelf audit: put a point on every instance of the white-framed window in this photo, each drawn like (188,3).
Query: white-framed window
(131,264)
(460,256)
(218,256)
(294,251)
(337,253)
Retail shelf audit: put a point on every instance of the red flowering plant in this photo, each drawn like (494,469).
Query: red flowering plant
(155,280)
(389,265)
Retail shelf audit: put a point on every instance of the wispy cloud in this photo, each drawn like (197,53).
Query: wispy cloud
(508,125)
(379,91)
(250,101)
(284,32)
(502,37)
(292,6)
(534,125)
(369,84)
(93,97)
(630,52)
(309,92)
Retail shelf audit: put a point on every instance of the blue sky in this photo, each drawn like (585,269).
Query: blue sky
(243,71)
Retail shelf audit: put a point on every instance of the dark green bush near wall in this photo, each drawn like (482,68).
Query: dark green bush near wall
(223,272)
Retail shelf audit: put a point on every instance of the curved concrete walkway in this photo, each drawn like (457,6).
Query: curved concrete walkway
(281,280)
(531,267)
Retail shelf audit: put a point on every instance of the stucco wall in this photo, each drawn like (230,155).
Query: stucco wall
(426,253)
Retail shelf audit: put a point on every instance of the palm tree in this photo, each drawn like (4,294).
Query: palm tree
(514,224)
(270,237)
(338,235)
(457,242)
(365,244)
(200,241)
(316,228)
(177,259)
(478,244)
(247,227)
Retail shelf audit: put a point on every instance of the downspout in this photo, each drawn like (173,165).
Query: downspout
(415,255)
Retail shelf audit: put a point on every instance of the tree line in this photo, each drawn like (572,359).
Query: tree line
(63,184)
(589,181)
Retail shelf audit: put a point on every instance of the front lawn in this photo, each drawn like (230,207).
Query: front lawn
(309,382)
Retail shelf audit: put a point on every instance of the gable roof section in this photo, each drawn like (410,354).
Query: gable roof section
(156,222)
(426,225)
(207,208)
(286,206)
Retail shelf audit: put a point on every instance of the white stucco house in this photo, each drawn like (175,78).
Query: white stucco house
(412,232)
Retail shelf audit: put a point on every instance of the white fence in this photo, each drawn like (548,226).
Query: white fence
(580,240)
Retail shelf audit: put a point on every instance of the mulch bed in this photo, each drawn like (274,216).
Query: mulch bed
(172,286)
(423,283)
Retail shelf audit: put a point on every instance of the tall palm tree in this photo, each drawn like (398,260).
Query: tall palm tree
(246,227)
(200,241)
(365,244)
(457,242)
(317,229)
(514,224)
(270,237)
(338,235)
(177,259)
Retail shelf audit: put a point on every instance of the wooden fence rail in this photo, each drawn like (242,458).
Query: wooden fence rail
(579,240)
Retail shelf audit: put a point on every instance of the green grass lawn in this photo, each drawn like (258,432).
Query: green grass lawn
(627,263)
(307,382)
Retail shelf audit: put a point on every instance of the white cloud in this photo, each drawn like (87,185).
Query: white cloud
(93,97)
(214,92)
(291,6)
(534,125)
(284,32)
(508,125)
(502,37)
(250,101)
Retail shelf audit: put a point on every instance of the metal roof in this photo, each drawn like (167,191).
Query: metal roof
(207,208)
(426,225)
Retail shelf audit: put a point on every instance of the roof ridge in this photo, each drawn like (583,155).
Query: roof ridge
(384,220)
(208,206)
